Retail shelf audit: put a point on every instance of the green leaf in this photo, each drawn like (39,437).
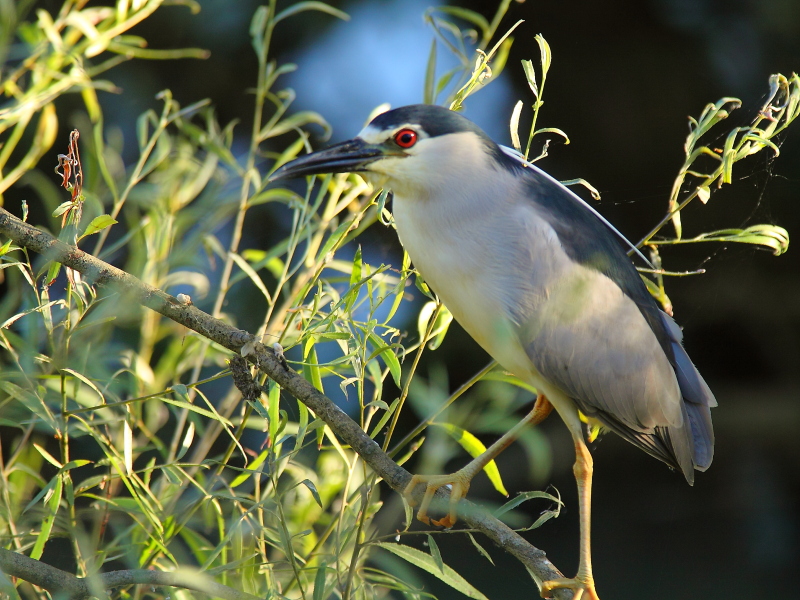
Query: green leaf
(429,91)
(53,503)
(524,497)
(294,122)
(311,366)
(187,441)
(479,548)
(253,468)
(427,563)
(319,582)
(6,248)
(470,16)
(435,553)
(440,325)
(98,224)
(475,448)
(336,237)
(62,208)
(274,398)
(52,273)
(355,278)
(313,489)
(388,355)
(386,416)
(514,126)
(310,5)
(252,275)
(530,75)
(771,236)
(546,55)
(88,382)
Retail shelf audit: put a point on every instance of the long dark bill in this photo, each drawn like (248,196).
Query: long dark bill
(348,157)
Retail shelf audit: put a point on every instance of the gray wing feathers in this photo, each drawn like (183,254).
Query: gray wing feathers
(591,340)
(600,351)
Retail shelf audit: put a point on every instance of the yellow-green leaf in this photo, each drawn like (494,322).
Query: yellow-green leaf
(427,563)
(475,448)
(98,224)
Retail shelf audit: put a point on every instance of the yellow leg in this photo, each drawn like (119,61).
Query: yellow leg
(583,581)
(461,479)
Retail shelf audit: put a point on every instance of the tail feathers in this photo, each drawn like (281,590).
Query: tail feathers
(698,438)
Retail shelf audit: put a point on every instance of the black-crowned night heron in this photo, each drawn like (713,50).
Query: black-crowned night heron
(543,284)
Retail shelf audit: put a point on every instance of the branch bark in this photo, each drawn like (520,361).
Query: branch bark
(97,272)
(60,583)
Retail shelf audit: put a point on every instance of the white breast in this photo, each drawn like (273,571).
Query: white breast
(463,250)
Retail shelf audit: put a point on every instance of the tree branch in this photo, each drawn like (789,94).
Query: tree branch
(95,271)
(60,583)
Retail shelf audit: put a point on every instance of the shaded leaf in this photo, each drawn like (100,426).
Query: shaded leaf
(427,563)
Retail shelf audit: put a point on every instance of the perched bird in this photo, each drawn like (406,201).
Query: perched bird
(543,283)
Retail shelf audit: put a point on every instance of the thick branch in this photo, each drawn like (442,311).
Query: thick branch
(59,582)
(96,271)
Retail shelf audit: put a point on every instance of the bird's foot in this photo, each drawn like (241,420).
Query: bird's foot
(579,584)
(459,485)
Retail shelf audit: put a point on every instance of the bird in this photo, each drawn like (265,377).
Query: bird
(544,284)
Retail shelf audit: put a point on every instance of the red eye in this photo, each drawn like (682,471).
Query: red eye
(405,138)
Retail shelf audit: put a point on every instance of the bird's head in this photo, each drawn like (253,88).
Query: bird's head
(413,150)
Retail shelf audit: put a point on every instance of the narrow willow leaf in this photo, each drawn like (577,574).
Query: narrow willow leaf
(311,365)
(427,563)
(514,126)
(88,382)
(389,357)
(530,75)
(470,16)
(297,120)
(479,548)
(47,524)
(254,277)
(336,237)
(313,489)
(127,446)
(581,181)
(771,236)
(435,553)
(319,582)
(429,92)
(187,441)
(355,277)
(62,208)
(98,224)
(274,411)
(505,377)
(310,5)
(546,55)
(384,418)
(253,468)
(475,448)
(524,497)
(47,456)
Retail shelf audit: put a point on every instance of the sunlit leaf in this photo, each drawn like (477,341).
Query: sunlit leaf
(475,448)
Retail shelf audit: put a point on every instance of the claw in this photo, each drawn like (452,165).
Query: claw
(579,584)
(459,484)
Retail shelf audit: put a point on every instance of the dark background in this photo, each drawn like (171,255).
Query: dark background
(625,76)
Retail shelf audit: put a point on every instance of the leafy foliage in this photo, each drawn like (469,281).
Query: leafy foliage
(123,434)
